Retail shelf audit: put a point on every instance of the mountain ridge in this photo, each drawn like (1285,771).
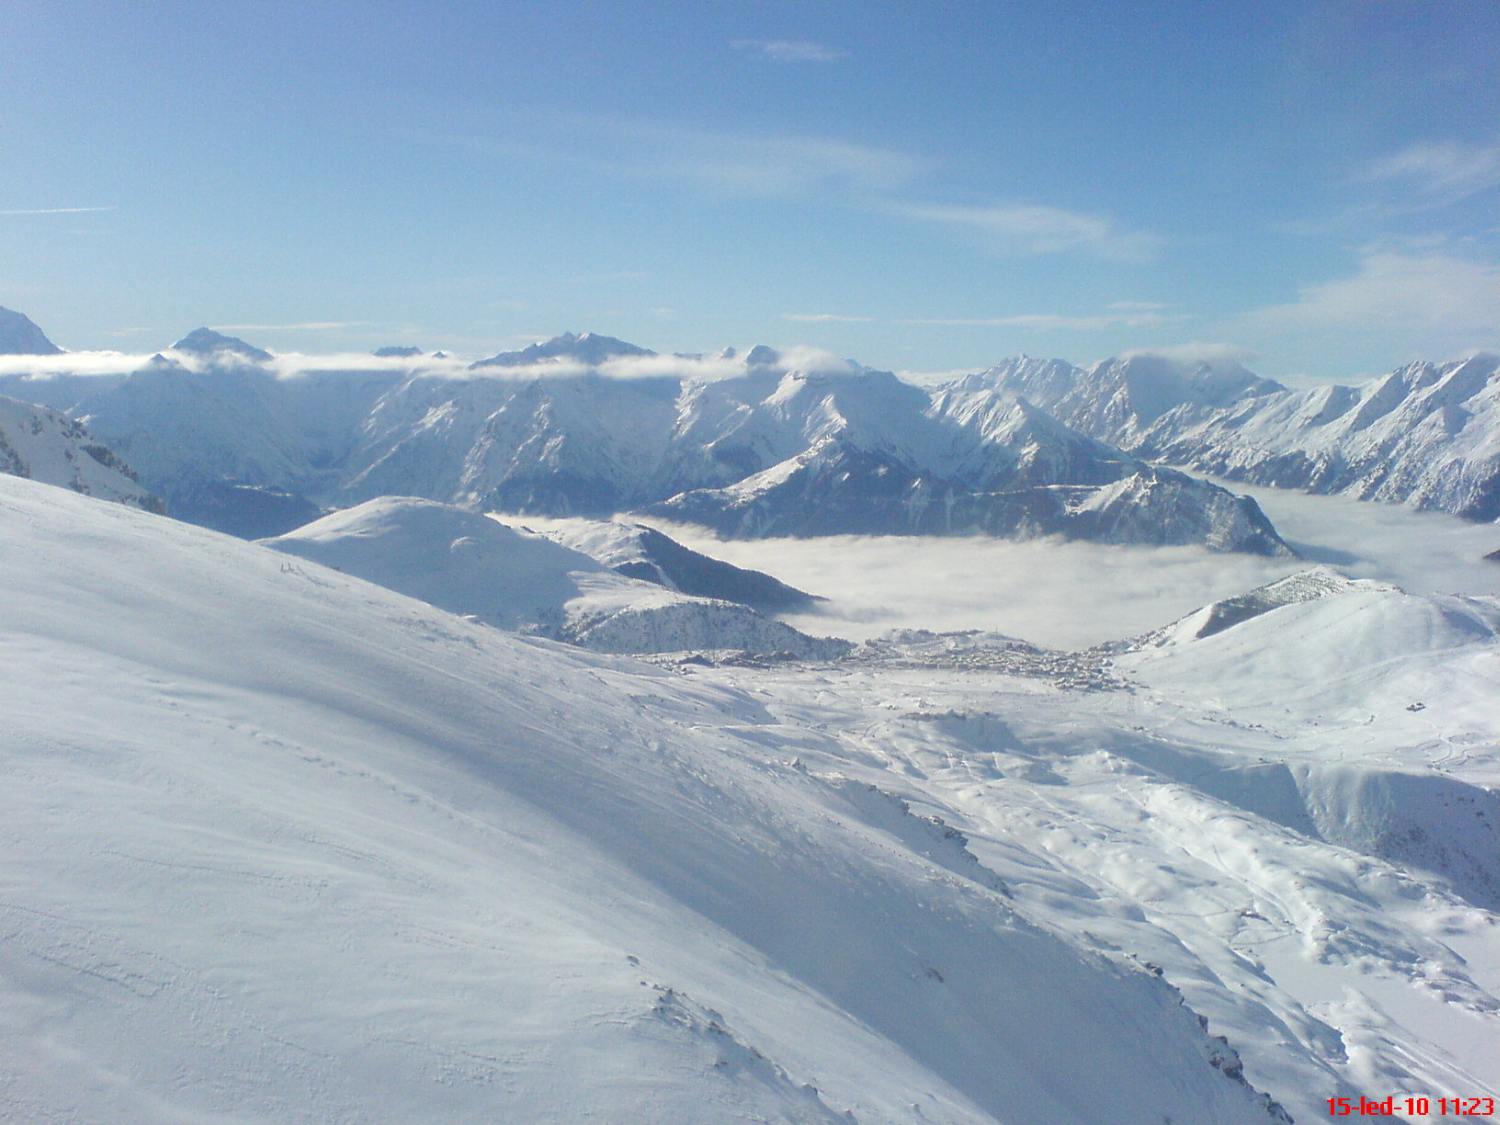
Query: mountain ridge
(584,443)
(1426,434)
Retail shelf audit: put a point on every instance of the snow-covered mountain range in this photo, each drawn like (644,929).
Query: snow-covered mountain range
(51,447)
(1426,434)
(765,447)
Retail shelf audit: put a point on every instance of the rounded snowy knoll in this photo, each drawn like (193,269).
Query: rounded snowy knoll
(1316,635)
(463,562)
(1391,696)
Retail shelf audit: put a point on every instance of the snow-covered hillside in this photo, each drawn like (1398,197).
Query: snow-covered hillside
(563,429)
(461,561)
(1373,666)
(51,447)
(643,552)
(1427,434)
(285,845)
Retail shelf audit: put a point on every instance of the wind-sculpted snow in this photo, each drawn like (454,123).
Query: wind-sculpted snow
(285,845)
(1426,434)
(53,448)
(468,564)
(548,431)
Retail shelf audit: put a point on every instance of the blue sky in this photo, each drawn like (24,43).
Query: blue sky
(916,186)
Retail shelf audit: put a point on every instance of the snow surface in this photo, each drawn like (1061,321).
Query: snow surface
(282,844)
(1295,819)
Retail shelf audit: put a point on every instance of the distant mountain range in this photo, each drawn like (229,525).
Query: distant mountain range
(1427,434)
(585,424)
(771,447)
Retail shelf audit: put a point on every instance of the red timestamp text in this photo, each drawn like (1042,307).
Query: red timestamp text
(1406,1106)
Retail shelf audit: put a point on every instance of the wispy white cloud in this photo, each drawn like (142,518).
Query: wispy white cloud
(1137,306)
(59,210)
(936,378)
(728,162)
(290,365)
(1053,322)
(71,363)
(304,326)
(1434,301)
(789,50)
(1033,229)
(1196,351)
(1438,173)
(826,318)
(774,164)
(294,365)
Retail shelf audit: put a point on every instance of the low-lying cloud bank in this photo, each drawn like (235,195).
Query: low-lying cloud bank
(291,365)
(1074,594)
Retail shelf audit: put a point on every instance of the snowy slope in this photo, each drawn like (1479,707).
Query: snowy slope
(50,447)
(1262,813)
(1341,649)
(642,552)
(284,845)
(461,561)
(1118,400)
(1426,434)
(1365,657)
